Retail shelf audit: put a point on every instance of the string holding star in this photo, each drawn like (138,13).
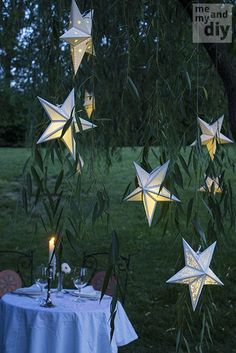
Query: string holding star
(211,135)
(150,189)
(59,116)
(79,35)
(196,272)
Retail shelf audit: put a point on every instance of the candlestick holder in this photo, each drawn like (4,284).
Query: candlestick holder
(48,301)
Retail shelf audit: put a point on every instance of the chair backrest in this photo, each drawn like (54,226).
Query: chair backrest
(98,279)
(97,263)
(9,281)
(20,262)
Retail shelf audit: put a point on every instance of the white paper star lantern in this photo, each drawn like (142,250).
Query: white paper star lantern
(89,103)
(211,184)
(150,190)
(211,135)
(196,272)
(59,115)
(79,35)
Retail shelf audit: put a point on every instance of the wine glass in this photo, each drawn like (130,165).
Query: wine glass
(79,278)
(40,277)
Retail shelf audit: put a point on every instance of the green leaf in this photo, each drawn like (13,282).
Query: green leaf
(24,199)
(59,219)
(36,177)
(66,126)
(51,201)
(113,311)
(188,80)
(205,92)
(26,164)
(184,165)
(203,327)
(114,253)
(72,241)
(107,277)
(208,208)
(59,181)
(178,176)
(178,341)
(49,214)
(29,184)
(38,158)
(132,87)
(95,213)
(199,229)
(126,191)
(58,201)
(186,344)
(189,210)
(78,121)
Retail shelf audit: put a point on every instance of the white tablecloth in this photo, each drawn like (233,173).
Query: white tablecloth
(70,327)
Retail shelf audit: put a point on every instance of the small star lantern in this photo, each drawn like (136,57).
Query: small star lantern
(89,103)
(212,184)
(211,135)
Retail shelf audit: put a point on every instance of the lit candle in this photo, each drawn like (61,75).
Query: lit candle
(51,246)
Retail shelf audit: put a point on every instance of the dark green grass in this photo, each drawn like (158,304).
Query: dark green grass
(152,306)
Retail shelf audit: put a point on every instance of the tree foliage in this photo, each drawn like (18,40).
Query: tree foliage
(147,75)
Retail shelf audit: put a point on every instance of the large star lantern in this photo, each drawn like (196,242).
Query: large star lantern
(196,272)
(150,189)
(212,184)
(59,115)
(211,135)
(79,35)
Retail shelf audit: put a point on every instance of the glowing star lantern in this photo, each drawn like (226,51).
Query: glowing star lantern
(59,115)
(212,184)
(211,135)
(196,272)
(79,35)
(89,103)
(150,189)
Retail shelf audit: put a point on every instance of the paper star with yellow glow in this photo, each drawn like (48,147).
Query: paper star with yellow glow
(211,135)
(89,103)
(150,190)
(79,35)
(212,184)
(196,272)
(59,115)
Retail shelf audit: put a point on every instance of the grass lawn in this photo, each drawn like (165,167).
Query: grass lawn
(152,306)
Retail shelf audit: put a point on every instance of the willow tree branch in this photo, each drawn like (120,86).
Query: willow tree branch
(225,66)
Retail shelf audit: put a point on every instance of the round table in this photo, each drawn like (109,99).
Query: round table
(69,327)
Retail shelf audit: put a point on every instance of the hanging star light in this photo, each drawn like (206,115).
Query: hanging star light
(150,189)
(196,272)
(212,184)
(59,116)
(211,135)
(79,35)
(89,103)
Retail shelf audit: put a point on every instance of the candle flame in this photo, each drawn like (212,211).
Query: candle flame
(52,241)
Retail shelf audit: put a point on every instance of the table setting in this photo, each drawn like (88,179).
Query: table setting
(42,318)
